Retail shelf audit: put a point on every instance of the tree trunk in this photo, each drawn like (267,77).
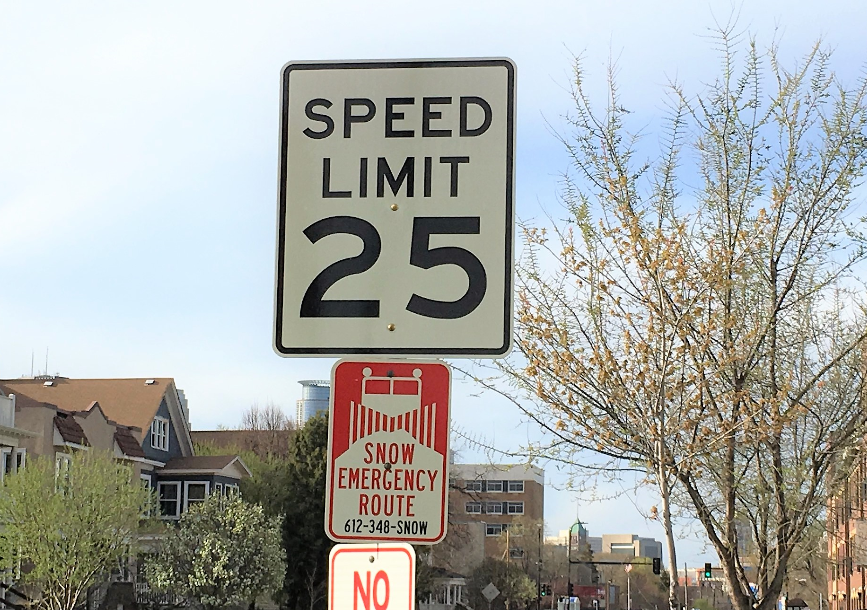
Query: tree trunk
(670,545)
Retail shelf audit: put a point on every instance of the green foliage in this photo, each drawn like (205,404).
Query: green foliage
(516,589)
(293,485)
(267,485)
(424,573)
(305,585)
(69,531)
(224,552)
(700,316)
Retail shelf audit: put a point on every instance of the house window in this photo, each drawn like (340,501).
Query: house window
(516,508)
(495,530)
(146,484)
(195,492)
(218,489)
(232,490)
(20,458)
(496,486)
(170,499)
(494,508)
(160,434)
(8,463)
(474,486)
(516,486)
(474,508)
(62,466)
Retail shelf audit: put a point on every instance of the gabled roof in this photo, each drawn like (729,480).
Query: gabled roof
(222,465)
(131,402)
(70,431)
(127,401)
(127,442)
(21,399)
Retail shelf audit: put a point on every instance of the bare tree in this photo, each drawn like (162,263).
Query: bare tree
(268,418)
(702,324)
(270,429)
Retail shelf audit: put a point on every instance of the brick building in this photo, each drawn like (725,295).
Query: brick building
(506,500)
(847,541)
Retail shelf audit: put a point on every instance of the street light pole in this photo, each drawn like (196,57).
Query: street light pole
(539,572)
(685,591)
(572,530)
(628,592)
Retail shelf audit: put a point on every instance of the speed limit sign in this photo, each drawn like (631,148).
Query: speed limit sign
(395,222)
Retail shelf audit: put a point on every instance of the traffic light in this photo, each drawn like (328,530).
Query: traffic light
(657,566)
(708,573)
(571,590)
(546,589)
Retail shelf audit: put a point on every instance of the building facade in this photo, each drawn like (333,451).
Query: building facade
(315,396)
(506,503)
(143,421)
(847,542)
(629,545)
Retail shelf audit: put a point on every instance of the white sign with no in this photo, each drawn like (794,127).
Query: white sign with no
(396,205)
(371,576)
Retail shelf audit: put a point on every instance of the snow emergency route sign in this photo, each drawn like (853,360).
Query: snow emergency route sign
(388,439)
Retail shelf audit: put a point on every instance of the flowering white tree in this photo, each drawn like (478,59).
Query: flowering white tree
(224,552)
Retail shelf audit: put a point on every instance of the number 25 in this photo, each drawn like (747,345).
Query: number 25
(421,255)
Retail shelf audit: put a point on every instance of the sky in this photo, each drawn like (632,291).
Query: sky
(139,160)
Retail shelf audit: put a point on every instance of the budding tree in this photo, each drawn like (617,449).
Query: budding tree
(697,316)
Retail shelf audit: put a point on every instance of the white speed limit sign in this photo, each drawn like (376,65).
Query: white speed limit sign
(395,222)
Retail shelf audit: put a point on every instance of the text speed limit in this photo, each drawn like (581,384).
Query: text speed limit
(395,220)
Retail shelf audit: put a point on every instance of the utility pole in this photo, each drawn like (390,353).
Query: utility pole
(569,567)
(569,562)
(628,568)
(685,591)
(539,572)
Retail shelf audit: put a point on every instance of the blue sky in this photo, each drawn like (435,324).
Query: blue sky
(138,171)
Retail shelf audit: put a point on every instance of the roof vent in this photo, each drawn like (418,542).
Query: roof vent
(150,382)
(48,383)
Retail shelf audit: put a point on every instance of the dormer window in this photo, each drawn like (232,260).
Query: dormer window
(160,434)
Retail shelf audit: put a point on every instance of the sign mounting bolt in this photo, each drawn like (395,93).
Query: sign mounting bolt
(394,207)
(390,326)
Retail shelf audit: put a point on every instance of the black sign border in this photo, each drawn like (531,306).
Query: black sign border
(510,207)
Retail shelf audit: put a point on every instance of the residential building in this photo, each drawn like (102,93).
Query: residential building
(847,541)
(144,421)
(509,500)
(315,396)
(12,453)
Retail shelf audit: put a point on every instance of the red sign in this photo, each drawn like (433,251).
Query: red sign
(589,591)
(388,442)
(371,577)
